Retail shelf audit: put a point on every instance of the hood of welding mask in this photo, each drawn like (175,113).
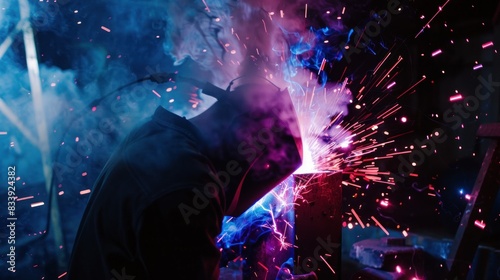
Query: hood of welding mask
(263,138)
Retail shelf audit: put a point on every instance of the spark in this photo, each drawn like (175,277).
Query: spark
(62,275)
(429,22)
(487,44)
(380,225)
(479,224)
(3,132)
(82,192)
(105,28)
(25,198)
(357,218)
(36,204)
(156,93)
(456,97)
(327,264)
(437,52)
(206,6)
(413,86)
(476,67)
(305,13)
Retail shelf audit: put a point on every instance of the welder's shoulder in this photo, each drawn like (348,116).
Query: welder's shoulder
(159,157)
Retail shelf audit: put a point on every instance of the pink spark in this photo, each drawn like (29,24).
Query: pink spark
(333,271)
(156,93)
(84,191)
(24,198)
(391,85)
(62,275)
(479,66)
(437,52)
(479,224)
(404,119)
(322,67)
(468,197)
(105,28)
(384,203)
(357,218)
(3,132)
(456,97)
(487,44)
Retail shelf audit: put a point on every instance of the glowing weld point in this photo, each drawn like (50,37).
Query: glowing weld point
(437,52)
(105,28)
(33,205)
(84,191)
(479,224)
(456,97)
(487,44)
(479,66)
(391,85)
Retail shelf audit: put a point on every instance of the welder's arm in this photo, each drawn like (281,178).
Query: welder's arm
(172,248)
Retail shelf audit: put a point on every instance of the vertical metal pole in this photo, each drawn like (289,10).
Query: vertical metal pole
(41,124)
(478,209)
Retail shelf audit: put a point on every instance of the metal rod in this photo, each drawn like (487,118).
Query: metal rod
(41,125)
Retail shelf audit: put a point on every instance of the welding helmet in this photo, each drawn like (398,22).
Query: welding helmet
(262,140)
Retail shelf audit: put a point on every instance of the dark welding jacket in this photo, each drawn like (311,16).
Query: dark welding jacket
(149,215)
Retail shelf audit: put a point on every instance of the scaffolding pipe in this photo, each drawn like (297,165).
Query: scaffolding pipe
(41,125)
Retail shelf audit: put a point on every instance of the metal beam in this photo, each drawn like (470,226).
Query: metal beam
(41,125)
